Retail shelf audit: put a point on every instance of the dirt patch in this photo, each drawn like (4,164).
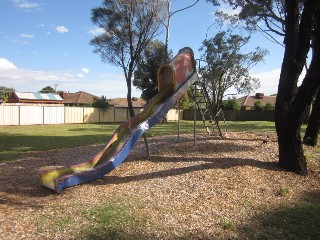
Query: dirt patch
(184,191)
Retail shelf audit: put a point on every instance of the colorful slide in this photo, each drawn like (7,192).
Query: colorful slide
(173,81)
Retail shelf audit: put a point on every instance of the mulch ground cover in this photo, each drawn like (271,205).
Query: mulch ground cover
(221,188)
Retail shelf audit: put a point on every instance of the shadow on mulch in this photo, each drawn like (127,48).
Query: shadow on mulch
(214,163)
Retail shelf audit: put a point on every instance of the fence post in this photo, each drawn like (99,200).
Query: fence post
(19,113)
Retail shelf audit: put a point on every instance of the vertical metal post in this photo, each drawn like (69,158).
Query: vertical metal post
(194,117)
(179,120)
(146,143)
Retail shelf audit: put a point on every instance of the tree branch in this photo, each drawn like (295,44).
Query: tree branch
(182,9)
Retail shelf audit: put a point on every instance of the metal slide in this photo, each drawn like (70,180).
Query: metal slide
(173,81)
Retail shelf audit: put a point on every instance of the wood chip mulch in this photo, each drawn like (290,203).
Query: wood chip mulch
(190,190)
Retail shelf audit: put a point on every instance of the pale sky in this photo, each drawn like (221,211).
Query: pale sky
(46,43)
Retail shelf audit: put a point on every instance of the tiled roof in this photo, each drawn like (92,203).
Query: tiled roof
(249,101)
(79,98)
(38,96)
(122,102)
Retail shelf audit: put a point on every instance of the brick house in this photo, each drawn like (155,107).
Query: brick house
(122,102)
(78,99)
(247,102)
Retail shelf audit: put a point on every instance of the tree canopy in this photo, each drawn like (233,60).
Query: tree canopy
(100,102)
(128,28)
(145,76)
(227,66)
(4,93)
(47,89)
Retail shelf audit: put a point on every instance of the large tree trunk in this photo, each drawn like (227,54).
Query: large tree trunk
(291,104)
(311,135)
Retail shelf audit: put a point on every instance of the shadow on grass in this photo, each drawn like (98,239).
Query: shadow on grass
(299,221)
(13,147)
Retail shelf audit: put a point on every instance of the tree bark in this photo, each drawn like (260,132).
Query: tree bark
(129,99)
(291,104)
(311,135)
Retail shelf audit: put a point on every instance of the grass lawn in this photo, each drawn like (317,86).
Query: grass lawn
(16,140)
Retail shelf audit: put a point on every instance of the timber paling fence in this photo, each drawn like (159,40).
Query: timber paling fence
(15,114)
(11,115)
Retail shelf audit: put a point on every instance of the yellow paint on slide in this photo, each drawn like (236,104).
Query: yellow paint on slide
(48,179)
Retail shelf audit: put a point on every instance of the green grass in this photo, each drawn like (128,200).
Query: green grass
(16,140)
(301,221)
(115,219)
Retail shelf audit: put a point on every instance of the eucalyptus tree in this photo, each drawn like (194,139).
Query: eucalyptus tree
(311,135)
(145,76)
(298,22)
(228,66)
(128,28)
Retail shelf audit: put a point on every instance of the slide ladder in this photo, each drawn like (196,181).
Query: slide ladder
(209,118)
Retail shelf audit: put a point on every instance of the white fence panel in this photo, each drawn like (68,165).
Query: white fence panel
(121,115)
(173,115)
(30,115)
(73,115)
(9,115)
(90,115)
(107,115)
(53,115)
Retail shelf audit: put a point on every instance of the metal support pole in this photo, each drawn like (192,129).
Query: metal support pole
(194,118)
(146,143)
(179,120)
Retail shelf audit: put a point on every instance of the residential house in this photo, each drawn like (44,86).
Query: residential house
(78,99)
(247,102)
(34,98)
(122,102)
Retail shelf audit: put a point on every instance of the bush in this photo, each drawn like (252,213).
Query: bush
(258,106)
(268,106)
(230,104)
(100,102)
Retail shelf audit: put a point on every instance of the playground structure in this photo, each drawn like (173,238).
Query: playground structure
(174,80)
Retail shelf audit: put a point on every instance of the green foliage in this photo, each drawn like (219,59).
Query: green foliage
(228,66)
(268,106)
(284,191)
(145,77)
(230,104)
(128,28)
(5,93)
(186,101)
(226,224)
(47,89)
(257,106)
(100,102)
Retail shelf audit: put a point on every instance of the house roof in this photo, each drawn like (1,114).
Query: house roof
(249,101)
(79,98)
(122,102)
(38,96)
